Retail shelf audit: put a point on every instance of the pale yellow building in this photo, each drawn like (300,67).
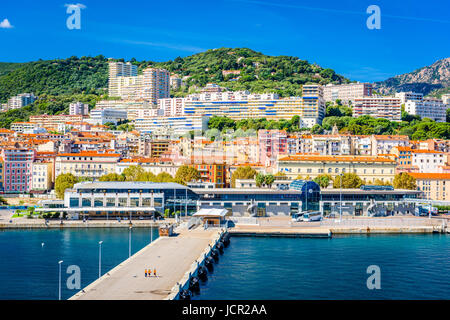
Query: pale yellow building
(435,186)
(42,179)
(367,168)
(86,164)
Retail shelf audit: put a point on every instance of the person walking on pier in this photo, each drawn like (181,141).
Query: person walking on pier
(154,272)
(146,273)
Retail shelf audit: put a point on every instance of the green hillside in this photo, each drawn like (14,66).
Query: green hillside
(258,72)
(55,77)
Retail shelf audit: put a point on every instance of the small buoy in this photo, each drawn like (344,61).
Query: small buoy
(42,244)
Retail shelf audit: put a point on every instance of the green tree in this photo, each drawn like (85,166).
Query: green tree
(323,180)
(133,173)
(244,172)
(404,181)
(349,181)
(164,177)
(259,180)
(112,177)
(63,182)
(269,180)
(187,174)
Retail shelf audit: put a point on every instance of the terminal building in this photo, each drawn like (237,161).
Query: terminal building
(140,200)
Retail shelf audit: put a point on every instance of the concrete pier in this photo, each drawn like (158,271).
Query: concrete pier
(172,257)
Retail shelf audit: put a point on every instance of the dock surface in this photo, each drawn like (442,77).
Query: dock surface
(172,257)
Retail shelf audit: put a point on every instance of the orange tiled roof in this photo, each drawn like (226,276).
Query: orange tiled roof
(432,176)
(88,154)
(310,157)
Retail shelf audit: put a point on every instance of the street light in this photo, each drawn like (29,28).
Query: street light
(100,258)
(59,262)
(340,198)
(129,243)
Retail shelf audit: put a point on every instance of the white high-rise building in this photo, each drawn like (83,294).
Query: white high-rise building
(378,107)
(124,82)
(346,92)
(117,71)
(431,108)
(409,96)
(21,100)
(446,99)
(78,108)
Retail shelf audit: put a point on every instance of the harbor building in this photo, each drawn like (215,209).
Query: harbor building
(127,199)
(359,202)
(261,202)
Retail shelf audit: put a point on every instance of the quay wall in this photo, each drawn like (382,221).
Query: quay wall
(192,271)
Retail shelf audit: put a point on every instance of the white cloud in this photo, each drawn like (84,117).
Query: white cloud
(5,24)
(78,5)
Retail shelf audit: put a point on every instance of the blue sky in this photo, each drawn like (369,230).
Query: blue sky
(331,33)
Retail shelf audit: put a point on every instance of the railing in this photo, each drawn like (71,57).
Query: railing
(380,222)
(243,220)
(193,222)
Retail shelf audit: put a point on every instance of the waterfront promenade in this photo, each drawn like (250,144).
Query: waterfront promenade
(172,257)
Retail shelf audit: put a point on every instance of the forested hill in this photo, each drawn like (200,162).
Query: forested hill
(250,70)
(242,68)
(55,77)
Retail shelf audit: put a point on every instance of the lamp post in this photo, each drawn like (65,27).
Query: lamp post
(60,262)
(129,243)
(340,198)
(100,258)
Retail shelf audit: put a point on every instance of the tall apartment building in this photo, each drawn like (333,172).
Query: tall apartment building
(21,100)
(79,108)
(153,84)
(118,70)
(446,99)
(102,116)
(409,96)
(347,92)
(272,143)
(156,84)
(313,105)
(378,107)
(431,108)
(18,164)
(241,105)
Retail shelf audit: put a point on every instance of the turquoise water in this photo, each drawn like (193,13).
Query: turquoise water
(412,267)
(29,270)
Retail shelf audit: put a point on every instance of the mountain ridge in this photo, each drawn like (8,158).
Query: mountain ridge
(431,79)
